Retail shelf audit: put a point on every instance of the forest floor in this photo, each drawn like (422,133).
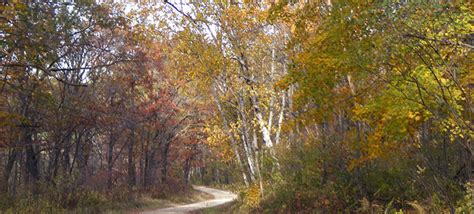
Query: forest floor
(219,198)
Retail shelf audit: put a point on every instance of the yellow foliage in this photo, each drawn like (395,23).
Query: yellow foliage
(218,141)
(252,196)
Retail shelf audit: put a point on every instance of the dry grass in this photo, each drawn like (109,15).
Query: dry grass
(148,203)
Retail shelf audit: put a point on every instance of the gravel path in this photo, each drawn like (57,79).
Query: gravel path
(220,198)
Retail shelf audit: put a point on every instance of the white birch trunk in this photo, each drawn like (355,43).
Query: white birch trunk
(232,139)
(250,161)
(270,114)
(257,162)
(245,136)
(280,119)
(263,128)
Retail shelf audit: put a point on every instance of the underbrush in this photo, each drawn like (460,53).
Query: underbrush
(67,198)
(55,202)
(315,180)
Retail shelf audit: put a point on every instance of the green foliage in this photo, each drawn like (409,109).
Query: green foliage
(465,204)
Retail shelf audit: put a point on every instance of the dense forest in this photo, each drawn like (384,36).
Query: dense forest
(297,106)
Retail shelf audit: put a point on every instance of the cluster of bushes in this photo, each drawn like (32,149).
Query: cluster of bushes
(56,200)
(66,197)
(316,179)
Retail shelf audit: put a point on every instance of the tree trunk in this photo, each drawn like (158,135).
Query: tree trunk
(53,163)
(164,161)
(280,119)
(150,169)
(66,160)
(131,161)
(83,157)
(232,139)
(31,158)
(110,160)
(187,170)
(261,122)
(12,156)
(246,138)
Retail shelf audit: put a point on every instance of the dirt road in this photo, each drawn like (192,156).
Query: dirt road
(220,198)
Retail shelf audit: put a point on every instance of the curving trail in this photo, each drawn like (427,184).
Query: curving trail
(220,198)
